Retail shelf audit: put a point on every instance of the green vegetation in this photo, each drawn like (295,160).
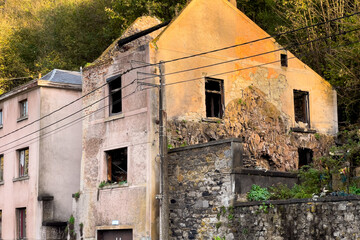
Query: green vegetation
(258,193)
(39,35)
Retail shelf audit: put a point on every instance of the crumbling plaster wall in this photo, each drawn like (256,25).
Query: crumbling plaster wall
(268,141)
(133,205)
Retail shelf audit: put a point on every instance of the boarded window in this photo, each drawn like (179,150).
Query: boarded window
(305,156)
(1,168)
(21,223)
(214,97)
(23,105)
(23,161)
(117,165)
(115,97)
(284,60)
(301,106)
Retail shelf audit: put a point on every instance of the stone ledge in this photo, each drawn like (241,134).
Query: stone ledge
(54,224)
(302,130)
(245,171)
(202,145)
(21,178)
(297,201)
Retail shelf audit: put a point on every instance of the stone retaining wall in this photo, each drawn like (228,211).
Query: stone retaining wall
(327,218)
(205,181)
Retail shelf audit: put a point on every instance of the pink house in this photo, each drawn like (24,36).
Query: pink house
(40,160)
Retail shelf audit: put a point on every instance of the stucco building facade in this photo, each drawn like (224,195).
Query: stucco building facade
(40,156)
(284,112)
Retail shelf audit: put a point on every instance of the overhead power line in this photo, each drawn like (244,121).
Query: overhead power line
(63,126)
(62,119)
(178,59)
(257,40)
(256,55)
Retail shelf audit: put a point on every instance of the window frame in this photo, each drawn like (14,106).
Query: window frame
(25,172)
(220,92)
(1,169)
(23,109)
(109,155)
(21,223)
(1,118)
(284,60)
(305,109)
(115,90)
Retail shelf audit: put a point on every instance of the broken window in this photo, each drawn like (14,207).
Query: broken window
(115,97)
(284,60)
(23,108)
(1,168)
(23,162)
(117,165)
(21,223)
(301,106)
(214,97)
(305,156)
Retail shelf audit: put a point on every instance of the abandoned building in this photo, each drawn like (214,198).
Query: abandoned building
(40,157)
(263,106)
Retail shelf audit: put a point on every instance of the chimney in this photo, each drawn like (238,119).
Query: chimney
(233,2)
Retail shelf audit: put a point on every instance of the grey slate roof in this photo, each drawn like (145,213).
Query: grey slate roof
(63,76)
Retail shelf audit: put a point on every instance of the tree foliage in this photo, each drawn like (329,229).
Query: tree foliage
(39,35)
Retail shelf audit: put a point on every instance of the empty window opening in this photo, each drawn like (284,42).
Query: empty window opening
(115,97)
(284,60)
(214,97)
(23,108)
(21,223)
(301,106)
(1,168)
(305,156)
(117,165)
(23,162)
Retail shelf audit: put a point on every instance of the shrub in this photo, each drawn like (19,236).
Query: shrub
(258,193)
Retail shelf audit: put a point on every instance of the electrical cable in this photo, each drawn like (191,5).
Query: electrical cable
(260,39)
(65,125)
(177,59)
(78,119)
(59,109)
(256,55)
(70,115)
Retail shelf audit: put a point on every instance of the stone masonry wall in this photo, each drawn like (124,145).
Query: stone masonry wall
(199,184)
(268,140)
(328,218)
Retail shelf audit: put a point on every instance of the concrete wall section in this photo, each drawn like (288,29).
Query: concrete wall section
(18,192)
(205,26)
(60,149)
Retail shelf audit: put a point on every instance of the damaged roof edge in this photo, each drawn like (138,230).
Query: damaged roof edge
(131,38)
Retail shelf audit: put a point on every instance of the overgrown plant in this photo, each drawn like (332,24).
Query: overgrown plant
(258,193)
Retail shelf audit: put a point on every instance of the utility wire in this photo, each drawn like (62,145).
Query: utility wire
(70,115)
(66,105)
(17,78)
(256,55)
(182,58)
(78,119)
(63,126)
(257,40)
